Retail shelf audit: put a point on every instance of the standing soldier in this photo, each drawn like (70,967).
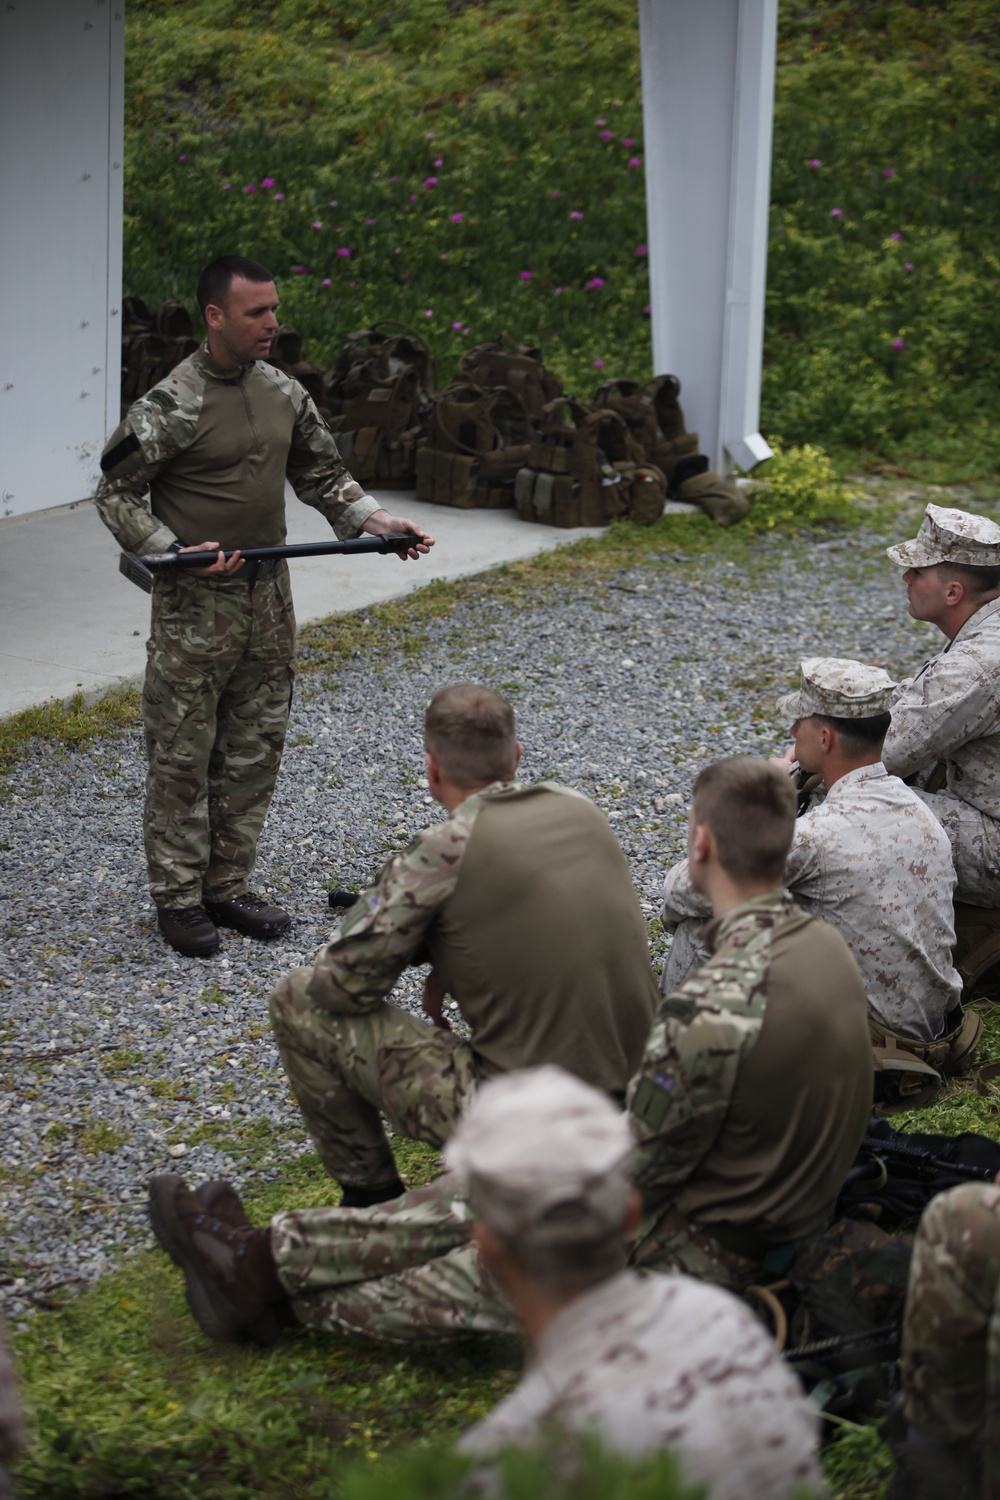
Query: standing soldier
(214,444)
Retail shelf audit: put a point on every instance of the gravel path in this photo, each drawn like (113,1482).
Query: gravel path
(120,1059)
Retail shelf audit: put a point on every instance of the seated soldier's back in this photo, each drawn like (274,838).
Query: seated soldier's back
(802,1098)
(542,942)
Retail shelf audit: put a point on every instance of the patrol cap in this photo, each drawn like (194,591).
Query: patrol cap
(839,688)
(954,536)
(543,1157)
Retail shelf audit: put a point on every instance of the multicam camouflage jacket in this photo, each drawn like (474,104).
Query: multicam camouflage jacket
(214,446)
(950,711)
(702,1033)
(387,928)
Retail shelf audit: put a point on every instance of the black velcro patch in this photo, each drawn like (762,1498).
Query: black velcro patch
(653,1100)
(120,452)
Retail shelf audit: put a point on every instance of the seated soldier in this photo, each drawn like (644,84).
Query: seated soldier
(946,720)
(645,1362)
(750,1103)
(869,858)
(945,1432)
(523,902)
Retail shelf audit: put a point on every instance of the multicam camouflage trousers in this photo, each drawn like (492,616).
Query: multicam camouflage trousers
(215,708)
(346,1071)
(951,1331)
(975,847)
(398,1272)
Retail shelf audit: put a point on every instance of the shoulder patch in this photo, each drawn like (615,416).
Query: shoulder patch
(163,399)
(676,1008)
(119,453)
(653,1099)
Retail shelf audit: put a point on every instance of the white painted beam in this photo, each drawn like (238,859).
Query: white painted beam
(62,68)
(708,98)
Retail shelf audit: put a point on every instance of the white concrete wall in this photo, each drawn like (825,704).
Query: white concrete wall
(708,99)
(62,70)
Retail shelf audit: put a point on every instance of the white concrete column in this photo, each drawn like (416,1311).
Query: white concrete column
(62,87)
(708,99)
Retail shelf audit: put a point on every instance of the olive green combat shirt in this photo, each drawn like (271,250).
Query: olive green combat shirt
(523,902)
(214,446)
(755,1088)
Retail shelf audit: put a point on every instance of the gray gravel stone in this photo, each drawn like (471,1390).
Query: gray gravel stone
(121,1059)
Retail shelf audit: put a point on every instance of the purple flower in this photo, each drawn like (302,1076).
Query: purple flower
(627,140)
(888,172)
(249,188)
(439,161)
(907,265)
(554,193)
(576,214)
(815,163)
(457,218)
(227,187)
(635,161)
(457,327)
(646,309)
(430,182)
(607,135)
(317,223)
(600,120)
(183,156)
(267,182)
(344,253)
(333,203)
(300,270)
(640,250)
(326,281)
(413,197)
(598,364)
(428,135)
(558,291)
(896,235)
(393,179)
(406,275)
(527,276)
(429,312)
(836,213)
(279,197)
(371,221)
(898,344)
(594,284)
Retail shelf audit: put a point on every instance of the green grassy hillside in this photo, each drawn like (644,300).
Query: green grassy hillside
(478,167)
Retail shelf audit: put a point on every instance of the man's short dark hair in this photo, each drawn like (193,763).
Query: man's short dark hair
(470,729)
(978,581)
(217,277)
(859,735)
(749,805)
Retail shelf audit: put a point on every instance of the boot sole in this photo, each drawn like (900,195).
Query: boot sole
(210,1307)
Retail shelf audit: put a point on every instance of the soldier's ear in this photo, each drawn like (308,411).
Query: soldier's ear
(701,843)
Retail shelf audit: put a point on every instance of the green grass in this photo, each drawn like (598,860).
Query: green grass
(883,265)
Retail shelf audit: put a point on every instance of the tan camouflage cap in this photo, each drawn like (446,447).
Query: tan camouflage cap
(543,1156)
(950,536)
(839,688)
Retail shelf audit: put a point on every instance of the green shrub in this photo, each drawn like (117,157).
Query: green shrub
(798,487)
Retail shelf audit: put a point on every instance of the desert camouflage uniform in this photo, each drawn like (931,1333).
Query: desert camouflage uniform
(950,712)
(12,1435)
(662,1362)
(214,447)
(951,1331)
(870,861)
(554,969)
(407,1270)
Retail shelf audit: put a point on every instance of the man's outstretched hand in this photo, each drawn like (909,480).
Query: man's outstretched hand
(381,523)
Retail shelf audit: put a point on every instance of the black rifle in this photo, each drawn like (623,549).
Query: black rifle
(922,1163)
(141,568)
(847,1351)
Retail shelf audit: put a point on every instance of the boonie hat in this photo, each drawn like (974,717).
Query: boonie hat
(839,688)
(950,536)
(543,1157)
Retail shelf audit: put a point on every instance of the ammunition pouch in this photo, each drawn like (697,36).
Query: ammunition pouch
(908,1072)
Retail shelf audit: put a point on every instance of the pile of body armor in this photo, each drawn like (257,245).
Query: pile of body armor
(502,434)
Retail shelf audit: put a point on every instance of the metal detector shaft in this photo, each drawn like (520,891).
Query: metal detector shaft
(163,561)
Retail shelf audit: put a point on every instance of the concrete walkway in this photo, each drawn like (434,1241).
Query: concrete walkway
(69,622)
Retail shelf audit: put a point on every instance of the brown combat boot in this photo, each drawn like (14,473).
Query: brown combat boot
(231,1278)
(188,930)
(251,915)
